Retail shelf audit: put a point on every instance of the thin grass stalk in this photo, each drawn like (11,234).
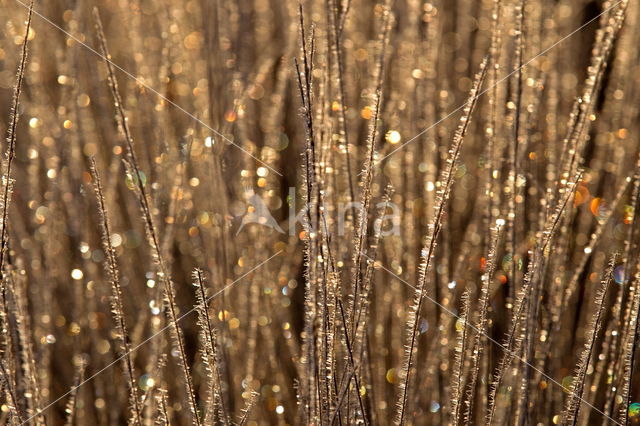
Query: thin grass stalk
(7,379)
(246,411)
(70,409)
(214,402)
(610,361)
(605,39)
(629,355)
(362,219)
(514,159)
(6,198)
(117,310)
(162,416)
(135,174)
(335,41)
(633,317)
(26,358)
(11,141)
(632,271)
(350,374)
(457,374)
(305,86)
(514,339)
(595,238)
(446,179)
(576,394)
(481,327)
(361,228)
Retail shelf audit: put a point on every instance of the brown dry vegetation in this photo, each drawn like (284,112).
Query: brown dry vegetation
(157,152)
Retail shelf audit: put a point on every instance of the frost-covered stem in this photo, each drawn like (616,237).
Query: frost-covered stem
(246,411)
(117,310)
(6,195)
(215,398)
(476,353)
(11,140)
(514,339)
(572,410)
(457,374)
(432,236)
(134,171)
(70,409)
